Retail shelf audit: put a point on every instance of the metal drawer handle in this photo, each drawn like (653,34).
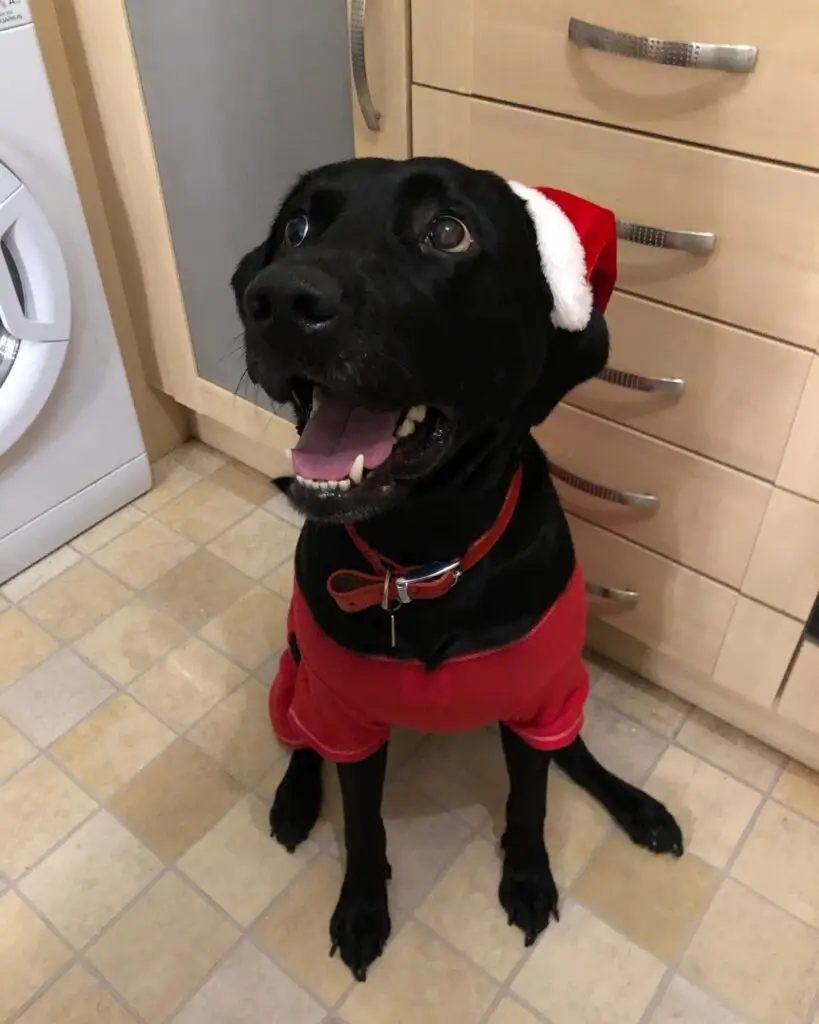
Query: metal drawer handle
(699,243)
(632,499)
(358,25)
(708,56)
(617,595)
(635,382)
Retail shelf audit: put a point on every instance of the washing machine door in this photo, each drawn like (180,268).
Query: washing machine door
(35,309)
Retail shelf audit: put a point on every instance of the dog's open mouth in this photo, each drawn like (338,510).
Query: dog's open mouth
(345,446)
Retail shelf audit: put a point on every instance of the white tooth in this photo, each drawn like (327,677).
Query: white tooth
(288,454)
(324,486)
(344,484)
(332,484)
(357,472)
(406,428)
(418,413)
(300,479)
(316,397)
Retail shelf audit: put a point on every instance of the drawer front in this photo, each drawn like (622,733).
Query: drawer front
(739,395)
(519,51)
(678,611)
(764,271)
(707,516)
(800,698)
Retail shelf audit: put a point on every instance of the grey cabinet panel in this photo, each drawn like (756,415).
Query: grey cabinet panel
(242,97)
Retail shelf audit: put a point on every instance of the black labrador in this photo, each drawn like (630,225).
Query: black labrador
(385,288)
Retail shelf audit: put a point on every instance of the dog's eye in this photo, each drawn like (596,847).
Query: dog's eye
(448,234)
(296,230)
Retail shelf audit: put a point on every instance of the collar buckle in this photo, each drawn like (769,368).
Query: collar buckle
(426,574)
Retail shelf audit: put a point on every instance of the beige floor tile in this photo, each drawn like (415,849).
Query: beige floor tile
(187,684)
(257,544)
(244,482)
(423,841)
(728,748)
(41,572)
(76,998)
(625,747)
(197,589)
(653,707)
(29,952)
(249,989)
(170,480)
(424,981)
(112,745)
(683,1003)
(754,957)
(162,947)
(52,698)
(199,458)
(267,671)
(712,808)
(511,1012)
(173,802)
(203,511)
(88,880)
(799,789)
(295,930)
(463,908)
(656,902)
(23,644)
(144,554)
(250,630)
(464,774)
(780,860)
(130,641)
(583,972)
(39,806)
(76,600)
(103,533)
(280,506)
(576,826)
(237,734)
(15,750)
(280,581)
(239,866)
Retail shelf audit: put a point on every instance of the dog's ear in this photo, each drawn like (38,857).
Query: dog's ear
(572,358)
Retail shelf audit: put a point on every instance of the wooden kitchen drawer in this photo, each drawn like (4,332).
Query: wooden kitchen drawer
(764,271)
(800,466)
(741,391)
(519,51)
(800,698)
(678,612)
(708,516)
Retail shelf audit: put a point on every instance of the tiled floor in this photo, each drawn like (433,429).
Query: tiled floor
(138,882)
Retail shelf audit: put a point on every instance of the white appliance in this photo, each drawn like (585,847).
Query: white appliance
(70,446)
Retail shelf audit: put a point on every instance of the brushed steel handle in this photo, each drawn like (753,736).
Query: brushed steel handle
(636,382)
(631,499)
(738,59)
(358,27)
(699,243)
(617,595)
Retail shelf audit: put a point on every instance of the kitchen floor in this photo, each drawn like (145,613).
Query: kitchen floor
(138,882)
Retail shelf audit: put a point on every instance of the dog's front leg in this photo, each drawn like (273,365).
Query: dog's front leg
(360,925)
(528,892)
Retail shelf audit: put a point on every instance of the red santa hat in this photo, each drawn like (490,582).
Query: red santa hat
(577,241)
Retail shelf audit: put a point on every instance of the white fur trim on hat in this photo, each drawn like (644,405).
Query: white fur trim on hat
(562,257)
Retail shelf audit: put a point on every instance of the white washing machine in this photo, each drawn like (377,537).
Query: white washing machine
(70,447)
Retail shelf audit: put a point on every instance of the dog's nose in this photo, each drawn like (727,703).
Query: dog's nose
(308,296)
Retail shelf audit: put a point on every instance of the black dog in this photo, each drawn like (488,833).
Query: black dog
(412,294)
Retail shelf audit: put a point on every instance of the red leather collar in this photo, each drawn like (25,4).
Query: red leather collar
(391,585)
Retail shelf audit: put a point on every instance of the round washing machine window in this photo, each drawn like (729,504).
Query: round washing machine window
(35,309)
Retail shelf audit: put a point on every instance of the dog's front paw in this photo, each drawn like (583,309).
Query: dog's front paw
(529,896)
(360,926)
(297,803)
(650,824)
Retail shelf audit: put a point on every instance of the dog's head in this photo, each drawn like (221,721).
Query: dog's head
(402,308)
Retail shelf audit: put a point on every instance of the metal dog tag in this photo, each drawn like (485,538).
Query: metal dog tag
(385,604)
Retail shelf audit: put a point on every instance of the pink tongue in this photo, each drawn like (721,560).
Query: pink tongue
(336,433)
